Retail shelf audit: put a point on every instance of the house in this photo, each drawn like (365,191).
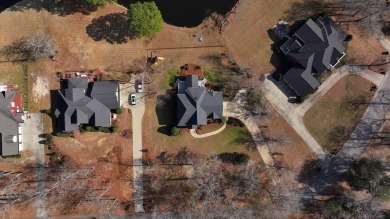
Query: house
(316,46)
(195,104)
(11,119)
(86,103)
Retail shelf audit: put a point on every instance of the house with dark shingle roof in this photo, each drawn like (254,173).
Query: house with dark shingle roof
(86,103)
(313,48)
(11,119)
(195,104)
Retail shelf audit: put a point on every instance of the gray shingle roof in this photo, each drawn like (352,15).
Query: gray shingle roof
(75,105)
(196,104)
(9,125)
(107,92)
(317,45)
(301,78)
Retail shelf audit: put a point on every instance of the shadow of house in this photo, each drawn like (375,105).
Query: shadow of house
(53,102)
(166,111)
(112,27)
(62,8)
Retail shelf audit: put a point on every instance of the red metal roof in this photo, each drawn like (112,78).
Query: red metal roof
(16,104)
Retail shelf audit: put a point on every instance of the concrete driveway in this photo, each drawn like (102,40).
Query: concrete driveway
(137,113)
(32,129)
(278,93)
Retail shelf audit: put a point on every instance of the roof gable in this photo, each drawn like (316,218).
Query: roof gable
(196,104)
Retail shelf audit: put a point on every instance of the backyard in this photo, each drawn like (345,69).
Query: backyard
(333,118)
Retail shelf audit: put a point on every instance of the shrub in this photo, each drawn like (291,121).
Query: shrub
(119,111)
(175,131)
(234,158)
(224,120)
(63,134)
(88,128)
(114,129)
(12,156)
(348,38)
(104,129)
(300,99)
(53,155)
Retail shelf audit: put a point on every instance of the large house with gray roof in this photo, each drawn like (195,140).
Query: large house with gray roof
(313,48)
(11,119)
(86,103)
(195,104)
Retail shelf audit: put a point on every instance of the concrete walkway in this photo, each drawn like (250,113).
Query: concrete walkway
(195,135)
(278,93)
(234,110)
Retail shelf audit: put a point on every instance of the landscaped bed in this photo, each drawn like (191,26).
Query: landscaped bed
(334,117)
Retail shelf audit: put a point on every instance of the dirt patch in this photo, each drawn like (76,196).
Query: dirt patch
(40,88)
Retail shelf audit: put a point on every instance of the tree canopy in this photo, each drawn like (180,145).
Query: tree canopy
(145,19)
(370,175)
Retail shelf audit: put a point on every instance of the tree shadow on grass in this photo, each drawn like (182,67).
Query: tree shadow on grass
(310,168)
(245,138)
(112,27)
(62,8)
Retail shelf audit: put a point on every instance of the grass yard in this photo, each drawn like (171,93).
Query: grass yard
(247,38)
(333,118)
(294,154)
(230,140)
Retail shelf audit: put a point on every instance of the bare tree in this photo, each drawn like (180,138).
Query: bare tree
(40,45)
(184,184)
(35,47)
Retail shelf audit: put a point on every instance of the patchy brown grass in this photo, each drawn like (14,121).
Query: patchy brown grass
(331,110)
(247,38)
(294,154)
(372,47)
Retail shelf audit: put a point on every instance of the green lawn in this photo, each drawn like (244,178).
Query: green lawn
(334,117)
(169,79)
(230,140)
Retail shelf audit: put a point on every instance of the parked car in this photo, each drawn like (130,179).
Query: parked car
(139,88)
(133,99)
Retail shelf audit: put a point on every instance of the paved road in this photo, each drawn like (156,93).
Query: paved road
(370,123)
(278,93)
(32,128)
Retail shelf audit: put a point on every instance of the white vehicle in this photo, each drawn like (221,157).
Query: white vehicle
(132,99)
(139,88)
